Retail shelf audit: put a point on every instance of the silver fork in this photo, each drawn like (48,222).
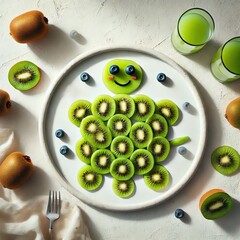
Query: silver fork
(53,208)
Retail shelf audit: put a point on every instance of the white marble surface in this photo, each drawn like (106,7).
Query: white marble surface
(139,23)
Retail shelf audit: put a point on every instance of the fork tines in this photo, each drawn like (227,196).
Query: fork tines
(54,202)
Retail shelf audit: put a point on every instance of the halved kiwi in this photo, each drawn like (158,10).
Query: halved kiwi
(143,161)
(160,148)
(141,134)
(169,110)
(215,204)
(124,105)
(89,179)
(5,102)
(122,146)
(79,110)
(225,160)
(158,124)
(158,178)
(104,107)
(122,169)
(144,108)
(101,160)
(24,75)
(119,124)
(123,189)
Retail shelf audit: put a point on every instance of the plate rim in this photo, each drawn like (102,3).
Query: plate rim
(50,92)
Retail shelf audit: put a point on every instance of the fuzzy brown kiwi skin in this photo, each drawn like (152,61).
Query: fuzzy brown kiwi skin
(5,102)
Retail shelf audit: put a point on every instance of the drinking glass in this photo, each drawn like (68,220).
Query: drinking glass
(194,29)
(225,64)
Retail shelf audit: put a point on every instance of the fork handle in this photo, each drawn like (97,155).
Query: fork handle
(50,230)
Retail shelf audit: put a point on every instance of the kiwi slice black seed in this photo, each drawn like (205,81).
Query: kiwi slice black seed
(90,125)
(79,110)
(89,179)
(158,124)
(84,150)
(158,178)
(101,160)
(24,75)
(104,107)
(160,148)
(122,169)
(119,125)
(124,105)
(123,189)
(122,146)
(169,110)
(141,134)
(143,161)
(225,160)
(144,108)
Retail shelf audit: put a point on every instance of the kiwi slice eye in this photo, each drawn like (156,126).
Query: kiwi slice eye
(225,160)
(123,189)
(24,75)
(124,105)
(158,124)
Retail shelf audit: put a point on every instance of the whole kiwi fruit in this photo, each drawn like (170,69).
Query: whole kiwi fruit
(29,27)
(15,170)
(5,102)
(233,113)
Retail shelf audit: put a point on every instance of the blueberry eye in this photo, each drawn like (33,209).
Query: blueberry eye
(161,77)
(114,69)
(64,150)
(84,76)
(59,133)
(130,69)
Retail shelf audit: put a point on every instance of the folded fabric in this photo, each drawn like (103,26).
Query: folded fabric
(6,142)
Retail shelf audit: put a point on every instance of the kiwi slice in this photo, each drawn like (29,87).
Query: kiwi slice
(179,141)
(104,107)
(141,134)
(122,169)
(123,189)
(215,204)
(89,179)
(158,124)
(84,150)
(90,125)
(79,110)
(24,75)
(101,160)
(119,124)
(143,161)
(122,146)
(102,138)
(144,108)
(169,110)
(160,148)
(225,160)
(124,105)
(158,178)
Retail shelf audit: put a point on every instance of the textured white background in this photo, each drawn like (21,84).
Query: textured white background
(140,23)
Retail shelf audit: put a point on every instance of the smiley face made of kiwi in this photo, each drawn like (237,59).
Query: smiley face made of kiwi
(122,76)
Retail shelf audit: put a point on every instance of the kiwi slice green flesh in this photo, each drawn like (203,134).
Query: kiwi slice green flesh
(90,125)
(84,150)
(169,110)
(119,124)
(122,146)
(101,160)
(123,189)
(122,169)
(144,108)
(124,105)
(143,161)
(158,178)
(79,110)
(141,134)
(89,179)
(158,124)
(160,148)
(24,75)
(216,205)
(179,141)
(225,160)
(104,107)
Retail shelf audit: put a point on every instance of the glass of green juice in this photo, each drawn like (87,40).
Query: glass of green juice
(194,29)
(225,64)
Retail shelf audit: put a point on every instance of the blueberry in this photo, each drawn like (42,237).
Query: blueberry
(161,77)
(84,76)
(114,69)
(186,105)
(64,150)
(182,150)
(130,69)
(179,213)
(59,133)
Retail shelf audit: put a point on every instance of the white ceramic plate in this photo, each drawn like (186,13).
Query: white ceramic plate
(68,88)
